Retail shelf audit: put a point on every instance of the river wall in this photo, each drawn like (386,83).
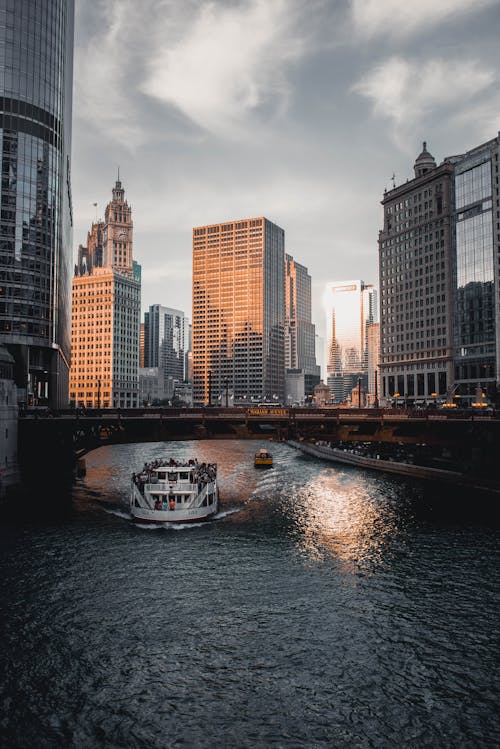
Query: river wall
(388,466)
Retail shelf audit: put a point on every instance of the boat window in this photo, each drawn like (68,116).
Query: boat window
(162,475)
(204,503)
(179,499)
(172,475)
(210,499)
(183,476)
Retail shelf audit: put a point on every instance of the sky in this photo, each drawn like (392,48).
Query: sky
(302,111)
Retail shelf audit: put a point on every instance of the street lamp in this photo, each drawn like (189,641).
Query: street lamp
(98,393)
(226,385)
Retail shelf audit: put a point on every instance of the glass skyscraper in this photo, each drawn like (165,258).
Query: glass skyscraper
(476,241)
(36,78)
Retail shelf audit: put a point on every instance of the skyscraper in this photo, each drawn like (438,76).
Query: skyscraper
(415,266)
(302,372)
(350,307)
(36,79)
(439,279)
(166,344)
(106,313)
(476,272)
(239,311)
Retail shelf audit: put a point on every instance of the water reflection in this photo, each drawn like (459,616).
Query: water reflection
(334,515)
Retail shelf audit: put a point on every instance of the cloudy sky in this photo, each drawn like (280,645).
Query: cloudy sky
(298,110)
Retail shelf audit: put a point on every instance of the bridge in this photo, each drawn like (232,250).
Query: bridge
(51,442)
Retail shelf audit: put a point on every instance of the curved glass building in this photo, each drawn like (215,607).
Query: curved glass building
(36,79)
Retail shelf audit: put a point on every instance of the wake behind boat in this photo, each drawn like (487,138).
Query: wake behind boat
(169,491)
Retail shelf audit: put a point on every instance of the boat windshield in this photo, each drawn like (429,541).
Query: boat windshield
(172,475)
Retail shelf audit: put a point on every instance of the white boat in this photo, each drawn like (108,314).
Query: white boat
(169,491)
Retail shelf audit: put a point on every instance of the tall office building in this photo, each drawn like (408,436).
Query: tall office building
(239,311)
(415,266)
(302,372)
(350,307)
(476,272)
(36,79)
(166,344)
(106,313)
(438,259)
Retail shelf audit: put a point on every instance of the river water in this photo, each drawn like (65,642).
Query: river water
(324,607)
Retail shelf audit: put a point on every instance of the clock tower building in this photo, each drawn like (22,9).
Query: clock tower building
(106,313)
(118,231)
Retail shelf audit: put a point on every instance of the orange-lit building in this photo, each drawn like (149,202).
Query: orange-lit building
(106,313)
(238,312)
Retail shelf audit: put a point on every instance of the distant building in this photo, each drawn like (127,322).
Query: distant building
(36,84)
(321,394)
(302,372)
(151,386)
(350,307)
(239,311)
(166,344)
(106,313)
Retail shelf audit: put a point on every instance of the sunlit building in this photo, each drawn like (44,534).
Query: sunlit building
(239,312)
(106,313)
(350,307)
(302,372)
(36,81)
(373,362)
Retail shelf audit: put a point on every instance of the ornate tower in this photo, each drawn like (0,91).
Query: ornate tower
(118,231)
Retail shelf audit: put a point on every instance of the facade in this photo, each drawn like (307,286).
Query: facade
(350,307)
(9,471)
(302,372)
(36,80)
(416,304)
(373,363)
(476,272)
(239,311)
(439,280)
(151,386)
(166,342)
(106,314)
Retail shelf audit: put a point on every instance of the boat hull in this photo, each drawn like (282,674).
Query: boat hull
(145,516)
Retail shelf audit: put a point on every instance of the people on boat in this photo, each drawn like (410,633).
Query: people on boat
(158,504)
(172,503)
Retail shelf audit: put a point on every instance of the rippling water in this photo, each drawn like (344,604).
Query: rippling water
(324,607)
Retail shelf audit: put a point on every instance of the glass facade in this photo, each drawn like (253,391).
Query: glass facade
(239,311)
(36,59)
(475,347)
(166,342)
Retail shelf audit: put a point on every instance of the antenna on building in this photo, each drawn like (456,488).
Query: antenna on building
(393,180)
(95,206)
(118,174)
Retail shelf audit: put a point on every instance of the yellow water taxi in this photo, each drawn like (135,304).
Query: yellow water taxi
(263,458)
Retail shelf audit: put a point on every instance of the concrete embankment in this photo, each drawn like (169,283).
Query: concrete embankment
(388,466)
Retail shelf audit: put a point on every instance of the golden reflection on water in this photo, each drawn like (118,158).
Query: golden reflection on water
(338,518)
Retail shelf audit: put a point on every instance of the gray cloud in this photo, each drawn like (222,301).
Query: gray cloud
(289,109)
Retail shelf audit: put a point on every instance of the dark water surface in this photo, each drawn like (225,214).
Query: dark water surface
(325,607)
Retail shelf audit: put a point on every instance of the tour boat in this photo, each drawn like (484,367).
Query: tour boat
(263,458)
(169,491)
